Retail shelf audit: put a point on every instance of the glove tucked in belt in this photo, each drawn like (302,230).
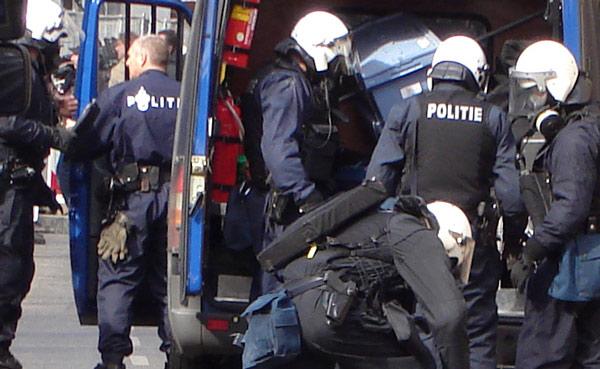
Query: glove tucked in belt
(113,238)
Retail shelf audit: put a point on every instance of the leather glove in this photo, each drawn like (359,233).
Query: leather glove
(534,251)
(519,274)
(313,200)
(62,138)
(113,239)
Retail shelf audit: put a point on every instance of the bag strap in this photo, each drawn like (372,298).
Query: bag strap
(409,183)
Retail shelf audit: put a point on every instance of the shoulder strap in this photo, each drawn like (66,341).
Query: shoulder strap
(408,184)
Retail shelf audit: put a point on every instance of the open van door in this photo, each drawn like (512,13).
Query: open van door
(107,23)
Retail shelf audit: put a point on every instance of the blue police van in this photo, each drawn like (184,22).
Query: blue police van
(226,43)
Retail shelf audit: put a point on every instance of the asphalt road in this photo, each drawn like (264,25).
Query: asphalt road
(49,335)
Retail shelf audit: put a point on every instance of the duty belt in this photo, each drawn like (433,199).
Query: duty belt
(136,177)
(15,171)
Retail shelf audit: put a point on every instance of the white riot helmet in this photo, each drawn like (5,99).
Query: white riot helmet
(45,20)
(315,33)
(45,27)
(549,66)
(455,234)
(545,68)
(454,55)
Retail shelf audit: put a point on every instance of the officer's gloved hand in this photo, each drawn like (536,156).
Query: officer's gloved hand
(62,138)
(534,251)
(311,202)
(519,274)
(112,243)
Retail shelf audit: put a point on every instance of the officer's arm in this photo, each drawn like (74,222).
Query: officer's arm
(506,175)
(27,132)
(94,137)
(574,170)
(387,160)
(284,102)
(506,183)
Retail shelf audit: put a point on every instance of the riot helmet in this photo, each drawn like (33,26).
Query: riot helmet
(454,232)
(314,39)
(541,81)
(460,59)
(44,28)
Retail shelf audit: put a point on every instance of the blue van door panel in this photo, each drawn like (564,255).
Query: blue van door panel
(76,176)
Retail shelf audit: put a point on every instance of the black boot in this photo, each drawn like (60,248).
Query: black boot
(110,366)
(8,361)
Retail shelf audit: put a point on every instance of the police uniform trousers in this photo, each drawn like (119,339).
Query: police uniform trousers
(482,311)
(146,262)
(269,282)
(557,334)
(16,257)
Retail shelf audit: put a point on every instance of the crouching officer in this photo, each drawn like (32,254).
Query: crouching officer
(296,147)
(135,126)
(25,141)
(562,309)
(454,147)
(354,290)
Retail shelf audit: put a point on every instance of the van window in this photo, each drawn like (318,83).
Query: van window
(118,27)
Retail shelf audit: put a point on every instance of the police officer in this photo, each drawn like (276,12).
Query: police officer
(135,127)
(353,292)
(284,109)
(25,141)
(562,309)
(454,147)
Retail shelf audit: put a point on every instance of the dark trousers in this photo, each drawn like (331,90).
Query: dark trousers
(16,258)
(482,311)
(118,284)
(342,344)
(268,282)
(557,334)
(422,262)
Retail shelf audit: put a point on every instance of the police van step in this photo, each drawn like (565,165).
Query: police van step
(49,223)
(320,222)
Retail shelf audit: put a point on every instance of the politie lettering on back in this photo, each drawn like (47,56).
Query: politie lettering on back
(145,101)
(467,113)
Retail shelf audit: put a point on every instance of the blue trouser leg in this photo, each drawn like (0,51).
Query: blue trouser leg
(118,283)
(157,276)
(16,258)
(268,282)
(557,334)
(117,286)
(482,311)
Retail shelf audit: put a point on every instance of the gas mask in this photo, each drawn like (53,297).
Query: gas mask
(529,99)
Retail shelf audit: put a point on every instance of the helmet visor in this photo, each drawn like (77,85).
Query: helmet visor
(528,92)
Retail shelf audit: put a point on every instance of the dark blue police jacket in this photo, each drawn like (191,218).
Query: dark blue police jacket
(136,121)
(572,162)
(389,155)
(285,97)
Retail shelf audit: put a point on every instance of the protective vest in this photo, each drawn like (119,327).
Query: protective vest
(455,151)
(42,110)
(318,144)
